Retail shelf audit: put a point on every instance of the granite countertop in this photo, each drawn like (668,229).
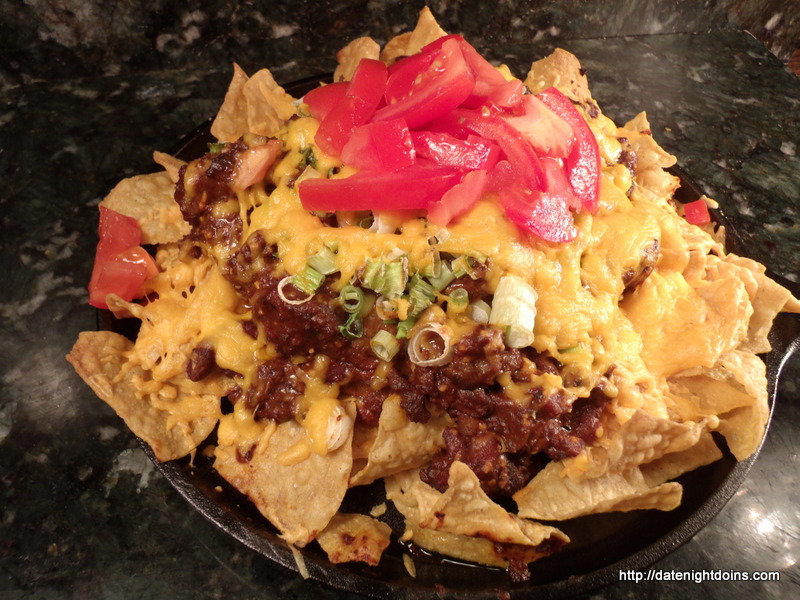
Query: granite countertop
(85,514)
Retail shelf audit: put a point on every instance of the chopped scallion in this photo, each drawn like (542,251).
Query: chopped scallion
(353,327)
(459,298)
(384,345)
(352,298)
(324,261)
(308,280)
(514,309)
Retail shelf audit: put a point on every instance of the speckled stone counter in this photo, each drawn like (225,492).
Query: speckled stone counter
(84,514)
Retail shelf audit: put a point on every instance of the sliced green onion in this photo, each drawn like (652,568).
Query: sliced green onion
(479,311)
(459,298)
(571,349)
(465,264)
(308,280)
(373,276)
(431,345)
(404,326)
(288,280)
(395,278)
(435,267)
(420,294)
(514,309)
(443,278)
(384,345)
(307,158)
(352,298)
(324,261)
(353,327)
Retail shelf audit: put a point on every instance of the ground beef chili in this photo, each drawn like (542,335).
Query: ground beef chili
(504,442)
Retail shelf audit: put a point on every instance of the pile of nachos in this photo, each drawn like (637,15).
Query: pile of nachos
(473,288)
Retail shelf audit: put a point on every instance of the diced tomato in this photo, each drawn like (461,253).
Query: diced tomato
(518,151)
(117,232)
(441,85)
(116,277)
(583,162)
(458,199)
(490,85)
(381,146)
(696,212)
(253,164)
(321,100)
(545,215)
(140,257)
(557,183)
(413,187)
(442,148)
(549,134)
(121,265)
(363,95)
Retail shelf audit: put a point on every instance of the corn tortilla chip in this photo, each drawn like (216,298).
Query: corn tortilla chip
(150,200)
(355,537)
(268,105)
(231,121)
(400,444)
(299,499)
(172,421)
(349,57)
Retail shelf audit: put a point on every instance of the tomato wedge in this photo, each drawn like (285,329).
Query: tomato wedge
(459,198)
(381,146)
(121,265)
(363,95)
(322,100)
(413,187)
(429,87)
(445,149)
(549,134)
(518,151)
(583,162)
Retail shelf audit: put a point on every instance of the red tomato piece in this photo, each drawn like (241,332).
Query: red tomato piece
(253,164)
(583,162)
(120,263)
(549,134)
(696,212)
(459,198)
(490,85)
(414,187)
(557,183)
(380,146)
(441,85)
(363,95)
(518,151)
(444,149)
(124,279)
(117,232)
(138,256)
(321,100)
(545,215)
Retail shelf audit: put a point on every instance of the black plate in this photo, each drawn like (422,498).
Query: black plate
(602,545)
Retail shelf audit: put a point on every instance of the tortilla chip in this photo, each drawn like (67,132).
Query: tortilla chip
(172,421)
(744,428)
(427,30)
(231,121)
(355,537)
(171,164)
(268,105)
(400,444)
(299,499)
(562,70)
(675,464)
(349,57)
(418,503)
(150,200)
(554,497)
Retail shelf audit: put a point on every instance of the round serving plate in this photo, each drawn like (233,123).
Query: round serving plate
(601,547)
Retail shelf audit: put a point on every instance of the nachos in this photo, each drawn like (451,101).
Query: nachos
(475,288)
